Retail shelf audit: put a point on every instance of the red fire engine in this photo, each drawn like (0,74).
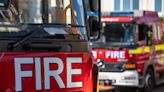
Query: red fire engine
(44,46)
(130,50)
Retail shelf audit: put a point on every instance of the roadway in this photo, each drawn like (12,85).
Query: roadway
(157,89)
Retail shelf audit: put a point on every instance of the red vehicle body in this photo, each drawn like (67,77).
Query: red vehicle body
(44,47)
(130,50)
(29,72)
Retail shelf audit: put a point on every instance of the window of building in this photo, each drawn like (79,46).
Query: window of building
(117,5)
(158,5)
(135,4)
(126,4)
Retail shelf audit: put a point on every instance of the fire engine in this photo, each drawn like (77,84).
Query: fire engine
(130,50)
(44,46)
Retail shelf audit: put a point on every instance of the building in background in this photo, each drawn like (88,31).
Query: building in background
(123,5)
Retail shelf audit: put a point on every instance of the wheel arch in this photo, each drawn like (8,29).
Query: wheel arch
(148,67)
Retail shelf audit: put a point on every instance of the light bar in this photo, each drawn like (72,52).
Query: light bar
(92,13)
(122,13)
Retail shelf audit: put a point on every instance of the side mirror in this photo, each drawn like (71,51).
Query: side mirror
(94,5)
(94,28)
(100,63)
(4,4)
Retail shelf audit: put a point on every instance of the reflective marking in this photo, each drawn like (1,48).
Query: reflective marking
(146,49)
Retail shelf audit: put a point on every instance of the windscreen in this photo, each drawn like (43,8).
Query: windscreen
(116,35)
(118,32)
(3,2)
(55,11)
(67,15)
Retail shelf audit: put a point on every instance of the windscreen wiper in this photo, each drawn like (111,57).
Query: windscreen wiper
(60,24)
(36,28)
(11,46)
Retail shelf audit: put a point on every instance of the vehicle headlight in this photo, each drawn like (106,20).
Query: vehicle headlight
(128,78)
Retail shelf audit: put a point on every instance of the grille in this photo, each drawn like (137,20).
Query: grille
(113,67)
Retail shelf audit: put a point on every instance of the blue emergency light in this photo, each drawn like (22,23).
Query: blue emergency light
(89,13)
(122,14)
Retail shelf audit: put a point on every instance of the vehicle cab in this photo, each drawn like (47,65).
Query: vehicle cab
(44,47)
(127,49)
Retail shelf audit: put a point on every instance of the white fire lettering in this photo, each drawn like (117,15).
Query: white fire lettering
(115,54)
(109,19)
(19,73)
(94,53)
(71,72)
(48,73)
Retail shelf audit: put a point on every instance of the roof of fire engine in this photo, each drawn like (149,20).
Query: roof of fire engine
(128,16)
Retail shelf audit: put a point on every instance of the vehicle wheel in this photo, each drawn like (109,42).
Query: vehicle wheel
(149,82)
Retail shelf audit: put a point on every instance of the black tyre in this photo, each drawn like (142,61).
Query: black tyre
(149,82)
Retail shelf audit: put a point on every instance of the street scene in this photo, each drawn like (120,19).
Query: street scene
(81,45)
(159,88)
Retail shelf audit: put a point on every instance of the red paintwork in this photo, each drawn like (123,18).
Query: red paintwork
(146,17)
(7,72)
(102,53)
(141,17)
(139,59)
(148,20)
(116,19)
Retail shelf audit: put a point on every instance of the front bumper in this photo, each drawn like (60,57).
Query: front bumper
(127,78)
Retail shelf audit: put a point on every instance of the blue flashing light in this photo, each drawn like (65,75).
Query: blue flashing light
(92,13)
(122,13)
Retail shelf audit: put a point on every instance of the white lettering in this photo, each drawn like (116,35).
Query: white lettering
(109,19)
(122,54)
(55,73)
(107,54)
(19,73)
(94,54)
(48,73)
(38,74)
(71,72)
(115,54)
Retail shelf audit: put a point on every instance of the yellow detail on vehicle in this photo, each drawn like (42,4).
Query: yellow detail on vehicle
(146,49)
(136,51)
(140,50)
(159,47)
